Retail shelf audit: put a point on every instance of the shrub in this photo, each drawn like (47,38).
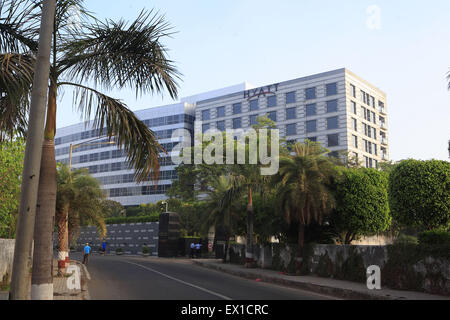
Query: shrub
(434,237)
(419,193)
(145,250)
(404,239)
(152,218)
(119,250)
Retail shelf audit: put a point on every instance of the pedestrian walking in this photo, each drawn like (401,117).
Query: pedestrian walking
(86,252)
(192,252)
(198,247)
(103,247)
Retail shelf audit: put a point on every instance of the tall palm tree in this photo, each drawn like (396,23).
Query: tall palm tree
(302,183)
(89,56)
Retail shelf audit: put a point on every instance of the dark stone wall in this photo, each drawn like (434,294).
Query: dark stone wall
(130,237)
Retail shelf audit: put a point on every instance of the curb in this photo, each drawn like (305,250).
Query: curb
(85,277)
(327,290)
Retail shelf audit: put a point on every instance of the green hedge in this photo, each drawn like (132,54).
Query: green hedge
(132,219)
(434,237)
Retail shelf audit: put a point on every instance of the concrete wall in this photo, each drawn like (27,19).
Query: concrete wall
(6,258)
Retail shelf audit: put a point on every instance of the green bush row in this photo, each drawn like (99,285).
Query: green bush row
(434,237)
(152,218)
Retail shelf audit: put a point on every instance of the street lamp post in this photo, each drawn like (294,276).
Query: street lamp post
(86,143)
(167,205)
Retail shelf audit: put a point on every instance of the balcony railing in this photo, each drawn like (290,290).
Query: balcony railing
(384,156)
(382,110)
(383,125)
(383,140)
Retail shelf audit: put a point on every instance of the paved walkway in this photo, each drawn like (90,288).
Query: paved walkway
(339,288)
(61,290)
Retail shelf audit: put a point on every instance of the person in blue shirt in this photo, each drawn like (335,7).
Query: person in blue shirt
(103,247)
(192,253)
(86,252)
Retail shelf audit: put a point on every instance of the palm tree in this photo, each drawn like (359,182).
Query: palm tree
(222,206)
(107,55)
(79,197)
(302,183)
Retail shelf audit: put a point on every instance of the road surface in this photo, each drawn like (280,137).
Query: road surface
(151,278)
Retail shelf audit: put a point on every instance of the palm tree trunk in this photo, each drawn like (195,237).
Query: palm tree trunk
(249,262)
(301,243)
(42,276)
(28,198)
(61,221)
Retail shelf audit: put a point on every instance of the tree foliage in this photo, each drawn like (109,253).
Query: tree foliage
(361,204)
(419,193)
(11,167)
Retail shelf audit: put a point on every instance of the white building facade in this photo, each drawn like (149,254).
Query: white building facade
(337,108)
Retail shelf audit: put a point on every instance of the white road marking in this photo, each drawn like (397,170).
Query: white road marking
(181,281)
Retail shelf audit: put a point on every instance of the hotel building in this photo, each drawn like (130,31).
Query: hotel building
(337,108)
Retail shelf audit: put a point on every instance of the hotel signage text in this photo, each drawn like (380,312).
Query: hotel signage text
(252,93)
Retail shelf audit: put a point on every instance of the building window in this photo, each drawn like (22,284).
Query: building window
(220,112)
(291,113)
(273,116)
(353,90)
(271,101)
(206,115)
(311,126)
(332,123)
(331,89)
(104,155)
(333,140)
(355,124)
(374,133)
(332,106)
(290,97)
(205,127)
(355,141)
(253,119)
(354,107)
(254,105)
(93,157)
(291,129)
(311,110)
(310,93)
(237,108)
(220,125)
(237,123)
(374,120)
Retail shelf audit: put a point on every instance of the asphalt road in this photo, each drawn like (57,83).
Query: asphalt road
(151,278)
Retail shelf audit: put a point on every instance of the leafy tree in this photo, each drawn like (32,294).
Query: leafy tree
(11,166)
(419,193)
(361,204)
(112,209)
(303,184)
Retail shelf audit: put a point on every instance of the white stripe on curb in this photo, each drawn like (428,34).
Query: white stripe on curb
(181,281)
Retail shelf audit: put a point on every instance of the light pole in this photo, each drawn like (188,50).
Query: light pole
(86,143)
(167,205)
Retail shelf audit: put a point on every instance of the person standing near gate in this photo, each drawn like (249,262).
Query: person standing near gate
(192,250)
(86,252)
(198,247)
(103,247)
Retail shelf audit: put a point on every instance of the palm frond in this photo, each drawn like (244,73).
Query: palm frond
(16,79)
(19,25)
(115,55)
(140,143)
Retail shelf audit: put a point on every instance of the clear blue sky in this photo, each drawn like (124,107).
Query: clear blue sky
(221,43)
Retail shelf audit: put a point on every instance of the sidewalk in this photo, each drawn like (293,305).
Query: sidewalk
(332,287)
(61,290)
